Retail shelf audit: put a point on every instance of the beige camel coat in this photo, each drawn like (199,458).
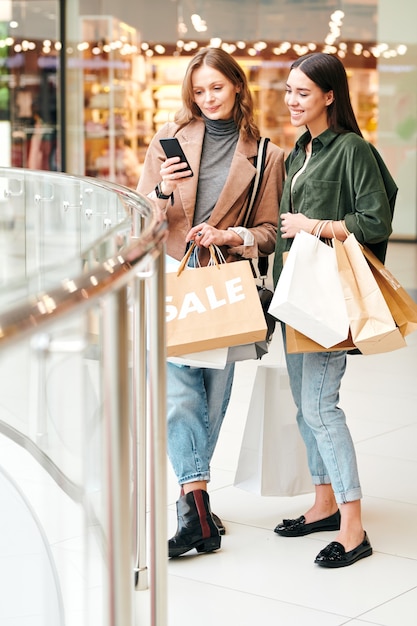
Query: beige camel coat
(229,210)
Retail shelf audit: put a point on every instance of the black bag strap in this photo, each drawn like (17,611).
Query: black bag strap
(260,166)
(263,263)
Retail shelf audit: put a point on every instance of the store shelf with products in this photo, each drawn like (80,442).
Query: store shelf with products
(113,78)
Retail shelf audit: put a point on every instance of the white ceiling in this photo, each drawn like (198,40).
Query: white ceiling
(156,20)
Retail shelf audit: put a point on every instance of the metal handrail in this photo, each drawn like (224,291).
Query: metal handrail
(143,258)
(27,317)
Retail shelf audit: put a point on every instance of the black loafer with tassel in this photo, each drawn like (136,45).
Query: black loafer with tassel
(299,528)
(335,555)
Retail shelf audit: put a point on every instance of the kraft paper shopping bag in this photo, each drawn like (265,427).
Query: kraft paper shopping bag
(400,303)
(372,326)
(212,307)
(298,343)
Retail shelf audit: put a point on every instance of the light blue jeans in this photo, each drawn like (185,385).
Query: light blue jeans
(315,380)
(197,399)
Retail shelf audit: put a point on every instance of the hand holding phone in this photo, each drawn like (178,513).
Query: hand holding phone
(171,147)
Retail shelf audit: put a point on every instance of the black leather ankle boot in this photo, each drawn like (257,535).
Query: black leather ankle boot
(196,528)
(216,519)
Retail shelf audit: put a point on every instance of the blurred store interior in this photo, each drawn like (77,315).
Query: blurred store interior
(84,85)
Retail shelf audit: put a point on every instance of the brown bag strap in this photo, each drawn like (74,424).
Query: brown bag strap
(185,258)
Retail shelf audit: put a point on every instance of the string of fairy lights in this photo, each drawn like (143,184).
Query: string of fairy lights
(251,49)
(260,48)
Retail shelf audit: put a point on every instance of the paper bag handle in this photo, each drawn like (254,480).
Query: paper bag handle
(185,258)
(214,252)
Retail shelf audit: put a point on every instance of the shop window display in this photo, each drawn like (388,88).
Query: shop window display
(33,114)
(111,91)
(129,88)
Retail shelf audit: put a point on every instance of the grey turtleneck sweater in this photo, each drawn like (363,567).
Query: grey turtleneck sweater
(219,145)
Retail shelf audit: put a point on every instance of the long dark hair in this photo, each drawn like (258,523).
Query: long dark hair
(230,68)
(328,73)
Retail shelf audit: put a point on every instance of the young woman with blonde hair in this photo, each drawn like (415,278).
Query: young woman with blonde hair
(218,134)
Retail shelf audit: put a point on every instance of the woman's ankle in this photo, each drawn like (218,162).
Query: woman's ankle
(198,484)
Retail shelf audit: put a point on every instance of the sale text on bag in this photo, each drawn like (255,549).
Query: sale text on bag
(212,299)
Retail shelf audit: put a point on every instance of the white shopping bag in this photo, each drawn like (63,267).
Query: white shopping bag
(273,458)
(213,359)
(309,295)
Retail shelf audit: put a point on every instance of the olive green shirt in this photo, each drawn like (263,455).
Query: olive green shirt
(345,179)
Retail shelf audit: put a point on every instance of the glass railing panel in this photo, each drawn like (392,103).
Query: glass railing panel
(46,219)
(52,407)
(12,225)
(79,236)
(12,289)
(26,556)
(57,383)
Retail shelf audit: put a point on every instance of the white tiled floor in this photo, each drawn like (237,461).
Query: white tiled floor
(258,577)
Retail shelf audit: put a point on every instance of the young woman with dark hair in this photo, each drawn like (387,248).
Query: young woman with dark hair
(337,178)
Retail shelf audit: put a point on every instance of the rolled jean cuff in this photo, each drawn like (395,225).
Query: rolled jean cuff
(192,478)
(349,496)
(321,480)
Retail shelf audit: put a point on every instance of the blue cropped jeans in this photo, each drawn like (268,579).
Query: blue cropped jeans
(315,380)
(197,399)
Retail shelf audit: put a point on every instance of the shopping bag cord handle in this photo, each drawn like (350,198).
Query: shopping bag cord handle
(216,257)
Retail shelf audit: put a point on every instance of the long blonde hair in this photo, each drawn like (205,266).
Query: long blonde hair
(228,66)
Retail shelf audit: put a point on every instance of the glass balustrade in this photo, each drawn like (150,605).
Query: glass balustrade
(80,264)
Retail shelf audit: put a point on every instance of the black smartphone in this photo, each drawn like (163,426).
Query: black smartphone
(171,147)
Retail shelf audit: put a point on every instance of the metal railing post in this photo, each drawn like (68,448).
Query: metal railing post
(117,426)
(158,446)
(140,418)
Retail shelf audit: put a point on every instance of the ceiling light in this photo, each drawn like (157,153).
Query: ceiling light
(215,42)
(199,24)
